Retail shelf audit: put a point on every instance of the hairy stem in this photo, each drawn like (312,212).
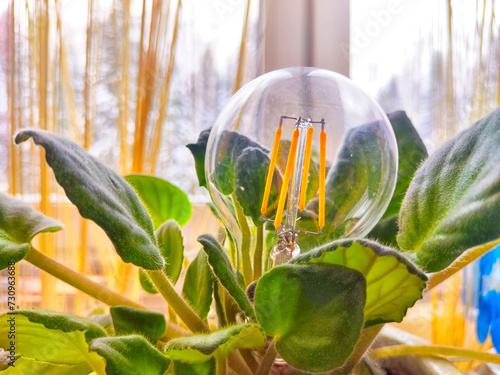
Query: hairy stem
(176,302)
(248,357)
(172,316)
(219,304)
(257,257)
(245,242)
(78,280)
(221,365)
(268,360)
(364,342)
(236,362)
(90,287)
(435,350)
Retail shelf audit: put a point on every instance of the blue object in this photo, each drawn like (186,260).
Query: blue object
(488,318)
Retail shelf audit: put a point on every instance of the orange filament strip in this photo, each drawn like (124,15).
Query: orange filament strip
(286,179)
(270,172)
(322,173)
(305,173)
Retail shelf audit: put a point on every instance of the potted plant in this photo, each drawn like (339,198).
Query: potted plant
(319,312)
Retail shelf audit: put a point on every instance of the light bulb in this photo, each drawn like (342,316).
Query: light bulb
(305,152)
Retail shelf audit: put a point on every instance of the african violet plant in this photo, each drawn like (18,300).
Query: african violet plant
(320,311)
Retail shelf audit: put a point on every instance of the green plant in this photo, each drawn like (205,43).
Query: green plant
(320,311)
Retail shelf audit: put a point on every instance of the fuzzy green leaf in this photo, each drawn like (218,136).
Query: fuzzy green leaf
(356,178)
(204,368)
(163,200)
(104,320)
(233,145)
(224,176)
(411,151)
(250,173)
(385,231)
(171,245)
(146,283)
(28,366)
(313,311)
(128,320)
(200,348)
(130,355)
(393,283)
(63,322)
(198,285)
(51,341)
(198,150)
(224,271)
(356,173)
(103,196)
(453,203)
(19,223)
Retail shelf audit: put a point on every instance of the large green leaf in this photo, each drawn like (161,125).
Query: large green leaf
(128,320)
(204,368)
(130,355)
(313,311)
(358,176)
(171,245)
(232,145)
(63,322)
(104,320)
(19,223)
(200,348)
(224,176)
(453,203)
(411,151)
(385,231)
(103,196)
(163,200)
(250,174)
(198,150)
(357,171)
(224,271)
(198,285)
(51,342)
(393,283)
(28,366)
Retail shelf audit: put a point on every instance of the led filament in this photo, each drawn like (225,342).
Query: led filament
(294,186)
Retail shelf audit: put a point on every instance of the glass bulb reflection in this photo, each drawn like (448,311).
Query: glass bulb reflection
(303,152)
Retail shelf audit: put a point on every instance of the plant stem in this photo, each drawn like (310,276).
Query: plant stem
(178,304)
(268,360)
(245,242)
(78,280)
(172,316)
(249,359)
(435,350)
(219,304)
(236,362)
(232,252)
(364,342)
(90,287)
(257,257)
(221,365)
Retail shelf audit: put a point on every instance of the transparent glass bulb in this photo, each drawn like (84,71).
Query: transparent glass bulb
(305,153)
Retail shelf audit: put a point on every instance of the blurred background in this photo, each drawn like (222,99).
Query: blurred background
(134,81)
